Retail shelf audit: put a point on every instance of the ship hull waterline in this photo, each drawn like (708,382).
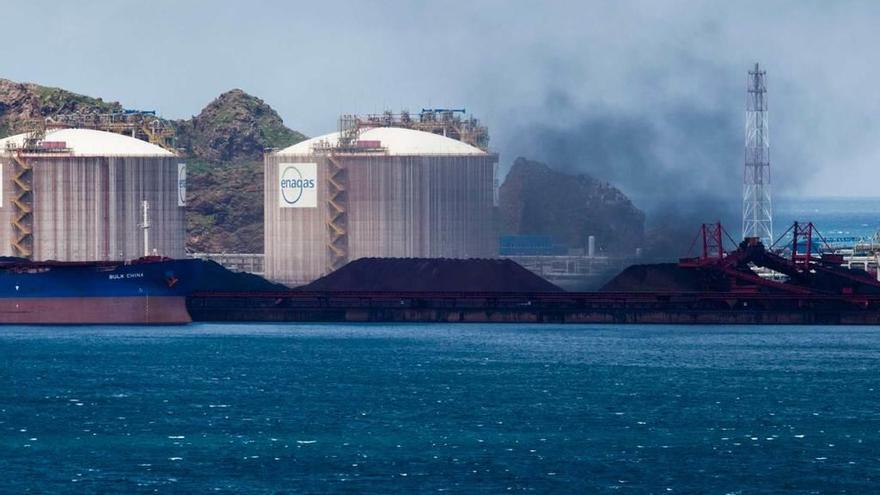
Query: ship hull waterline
(147,291)
(145,310)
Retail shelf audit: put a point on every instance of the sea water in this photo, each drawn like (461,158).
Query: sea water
(292,408)
(842,221)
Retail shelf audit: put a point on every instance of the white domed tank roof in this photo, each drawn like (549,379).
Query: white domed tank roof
(89,142)
(396,140)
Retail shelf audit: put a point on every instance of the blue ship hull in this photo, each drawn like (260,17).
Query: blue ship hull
(145,291)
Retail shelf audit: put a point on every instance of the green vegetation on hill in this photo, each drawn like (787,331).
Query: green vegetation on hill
(225,206)
(226,142)
(57,100)
(23,103)
(235,126)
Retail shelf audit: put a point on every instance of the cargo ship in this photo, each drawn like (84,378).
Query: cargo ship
(149,290)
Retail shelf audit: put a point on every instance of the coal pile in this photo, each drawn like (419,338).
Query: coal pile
(214,277)
(660,277)
(431,275)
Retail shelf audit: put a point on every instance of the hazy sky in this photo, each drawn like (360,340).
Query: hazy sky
(649,95)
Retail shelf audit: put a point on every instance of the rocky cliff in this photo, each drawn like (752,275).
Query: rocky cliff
(537,200)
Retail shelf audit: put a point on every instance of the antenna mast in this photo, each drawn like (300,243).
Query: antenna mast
(146,226)
(757,209)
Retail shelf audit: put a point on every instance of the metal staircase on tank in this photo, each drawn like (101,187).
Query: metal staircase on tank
(348,142)
(22,199)
(22,180)
(22,202)
(337,203)
(158,134)
(337,194)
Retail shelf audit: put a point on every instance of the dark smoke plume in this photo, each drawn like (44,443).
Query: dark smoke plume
(683,166)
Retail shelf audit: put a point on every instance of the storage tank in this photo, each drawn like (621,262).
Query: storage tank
(394,192)
(85,202)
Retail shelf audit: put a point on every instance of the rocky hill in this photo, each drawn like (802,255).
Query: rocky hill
(234,127)
(21,103)
(225,144)
(537,200)
(223,147)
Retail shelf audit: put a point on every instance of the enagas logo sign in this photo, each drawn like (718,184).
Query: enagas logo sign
(297,184)
(181,184)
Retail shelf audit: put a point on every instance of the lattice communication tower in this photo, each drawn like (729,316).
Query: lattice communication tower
(757,208)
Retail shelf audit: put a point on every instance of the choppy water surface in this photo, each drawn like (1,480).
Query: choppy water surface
(431,408)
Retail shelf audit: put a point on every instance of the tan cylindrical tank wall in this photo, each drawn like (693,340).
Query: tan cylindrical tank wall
(6,210)
(428,206)
(90,208)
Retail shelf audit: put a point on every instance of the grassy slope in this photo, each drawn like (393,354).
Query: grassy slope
(225,200)
(224,206)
